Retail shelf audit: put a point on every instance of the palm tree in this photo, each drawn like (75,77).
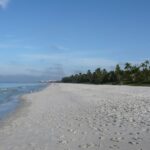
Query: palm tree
(135,73)
(145,67)
(97,76)
(118,73)
(89,76)
(127,74)
(128,66)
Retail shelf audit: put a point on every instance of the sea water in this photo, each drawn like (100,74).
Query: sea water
(10,94)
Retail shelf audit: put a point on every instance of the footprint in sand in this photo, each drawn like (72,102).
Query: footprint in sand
(115,139)
(79,125)
(83,133)
(88,146)
(131,143)
(63,142)
(72,131)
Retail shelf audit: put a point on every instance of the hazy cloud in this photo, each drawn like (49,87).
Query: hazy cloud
(4,3)
(54,72)
(46,66)
(72,61)
(57,48)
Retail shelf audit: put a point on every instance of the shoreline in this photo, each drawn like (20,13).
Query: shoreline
(76,117)
(22,103)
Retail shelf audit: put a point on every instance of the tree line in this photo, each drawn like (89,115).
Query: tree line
(129,74)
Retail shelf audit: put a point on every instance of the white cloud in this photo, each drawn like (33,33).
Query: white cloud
(4,3)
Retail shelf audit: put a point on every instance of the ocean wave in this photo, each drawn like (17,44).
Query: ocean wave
(10,93)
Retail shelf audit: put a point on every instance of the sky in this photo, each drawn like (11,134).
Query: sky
(49,39)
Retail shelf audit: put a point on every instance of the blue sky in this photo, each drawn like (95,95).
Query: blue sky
(51,38)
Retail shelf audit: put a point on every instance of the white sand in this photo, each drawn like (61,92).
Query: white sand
(76,117)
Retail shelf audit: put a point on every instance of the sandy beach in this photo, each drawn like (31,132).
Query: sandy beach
(76,117)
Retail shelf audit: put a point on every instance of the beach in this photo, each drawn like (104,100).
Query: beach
(80,116)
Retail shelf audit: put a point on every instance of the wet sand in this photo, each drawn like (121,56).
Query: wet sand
(76,117)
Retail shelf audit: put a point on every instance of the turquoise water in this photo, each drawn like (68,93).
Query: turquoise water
(10,93)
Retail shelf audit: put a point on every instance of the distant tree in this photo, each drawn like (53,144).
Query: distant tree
(97,76)
(127,73)
(145,67)
(112,77)
(137,74)
(89,76)
(104,76)
(118,73)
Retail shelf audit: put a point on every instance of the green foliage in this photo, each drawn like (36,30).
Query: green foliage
(130,74)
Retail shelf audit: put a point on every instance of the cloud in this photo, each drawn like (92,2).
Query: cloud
(54,72)
(4,3)
(15,73)
(44,65)
(70,61)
